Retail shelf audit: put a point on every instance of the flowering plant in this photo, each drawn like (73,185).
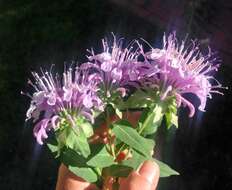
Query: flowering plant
(87,110)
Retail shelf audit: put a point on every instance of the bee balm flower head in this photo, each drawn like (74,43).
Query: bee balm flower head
(75,96)
(184,70)
(116,66)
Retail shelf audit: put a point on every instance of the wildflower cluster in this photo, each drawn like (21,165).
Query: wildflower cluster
(74,97)
(101,91)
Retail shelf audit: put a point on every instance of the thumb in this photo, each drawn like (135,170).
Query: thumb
(145,178)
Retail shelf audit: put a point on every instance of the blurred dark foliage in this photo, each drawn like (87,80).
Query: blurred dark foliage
(39,33)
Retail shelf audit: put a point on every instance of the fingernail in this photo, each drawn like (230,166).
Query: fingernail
(139,167)
(149,170)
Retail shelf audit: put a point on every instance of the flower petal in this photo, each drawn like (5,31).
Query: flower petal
(40,130)
(51,99)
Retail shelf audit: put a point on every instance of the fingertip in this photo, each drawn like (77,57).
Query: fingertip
(149,167)
(135,182)
(150,171)
(146,178)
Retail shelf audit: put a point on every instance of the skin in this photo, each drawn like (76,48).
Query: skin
(146,176)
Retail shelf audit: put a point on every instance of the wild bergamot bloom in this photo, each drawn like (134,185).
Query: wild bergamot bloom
(184,69)
(116,66)
(56,99)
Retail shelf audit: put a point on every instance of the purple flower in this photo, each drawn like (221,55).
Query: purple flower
(173,70)
(115,66)
(184,69)
(75,95)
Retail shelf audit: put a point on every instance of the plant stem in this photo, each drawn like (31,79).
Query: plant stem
(109,134)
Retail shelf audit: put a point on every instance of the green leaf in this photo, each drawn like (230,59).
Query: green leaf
(171,119)
(138,159)
(87,129)
(165,170)
(87,174)
(53,146)
(77,164)
(101,159)
(117,170)
(71,158)
(135,160)
(61,138)
(170,110)
(150,121)
(76,140)
(86,126)
(124,132)
(174,120)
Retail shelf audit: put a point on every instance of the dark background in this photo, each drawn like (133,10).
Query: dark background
(37,33)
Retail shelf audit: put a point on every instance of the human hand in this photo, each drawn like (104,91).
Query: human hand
(146,177)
